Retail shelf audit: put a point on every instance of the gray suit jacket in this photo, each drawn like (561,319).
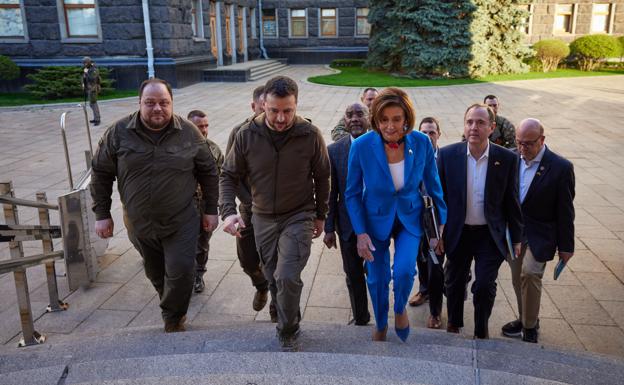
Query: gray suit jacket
(338,217)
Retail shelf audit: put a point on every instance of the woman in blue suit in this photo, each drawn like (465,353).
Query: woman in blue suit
(387,167)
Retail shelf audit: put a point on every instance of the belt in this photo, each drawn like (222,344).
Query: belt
(475,227)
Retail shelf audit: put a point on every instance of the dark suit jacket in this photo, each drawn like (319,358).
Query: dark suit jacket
(548,209)
(338,215)
(502,206)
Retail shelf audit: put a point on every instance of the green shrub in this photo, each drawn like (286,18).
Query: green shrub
(621,41)
(550,52)
(8,69)
(63,82)
(590,50)
(347,62)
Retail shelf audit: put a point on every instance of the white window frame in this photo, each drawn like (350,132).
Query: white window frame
(254,22)
(65,38)
(276,36)
(305,12)
(610,18)
(198,35)
(573,17)
(320,27)
(355,29)
(18,39)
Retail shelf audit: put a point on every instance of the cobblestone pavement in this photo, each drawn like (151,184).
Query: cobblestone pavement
(583,310)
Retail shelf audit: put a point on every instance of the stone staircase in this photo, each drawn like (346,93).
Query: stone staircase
(245,72)
(248,353)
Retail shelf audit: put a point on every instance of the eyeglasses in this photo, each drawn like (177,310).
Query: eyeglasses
(528,143)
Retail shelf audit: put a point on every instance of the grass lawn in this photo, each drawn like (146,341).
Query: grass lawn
(11,99)
(360,77)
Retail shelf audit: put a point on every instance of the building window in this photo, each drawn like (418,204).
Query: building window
(239,18)
(197,19)
(80,18)
(298,23)
(213,29)
(328,22)
(228,33)
(269,23)
(12,20)
(564,18)
(527,22)
(601,18)
(254,33)
(362,27)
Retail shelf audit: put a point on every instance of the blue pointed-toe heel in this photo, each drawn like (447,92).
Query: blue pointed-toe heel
(402,333)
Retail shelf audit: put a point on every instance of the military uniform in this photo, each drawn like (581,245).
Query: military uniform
(504,133)
(91,86)
(157,176)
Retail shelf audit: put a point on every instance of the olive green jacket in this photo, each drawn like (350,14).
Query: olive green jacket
(294,179)
(156,181)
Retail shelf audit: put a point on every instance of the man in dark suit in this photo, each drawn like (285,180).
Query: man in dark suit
(356,124)
(479,180)
(546,187)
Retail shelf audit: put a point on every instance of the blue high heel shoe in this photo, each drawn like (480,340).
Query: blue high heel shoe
(402,333)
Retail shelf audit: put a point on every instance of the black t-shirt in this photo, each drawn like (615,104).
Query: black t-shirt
(155,135)
(279,138)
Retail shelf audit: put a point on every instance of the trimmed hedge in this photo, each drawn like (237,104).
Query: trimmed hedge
(63,82)
(8,69)
(550,52)
(591,50)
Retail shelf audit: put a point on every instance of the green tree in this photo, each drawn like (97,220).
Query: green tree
(426,38)
(8,69)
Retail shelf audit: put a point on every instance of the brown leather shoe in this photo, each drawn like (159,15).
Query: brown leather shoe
(380,335)
(450,328)
(176,326)
(418,299)
(434,322)
(260,299)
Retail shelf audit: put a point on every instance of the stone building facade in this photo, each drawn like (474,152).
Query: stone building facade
(181,38)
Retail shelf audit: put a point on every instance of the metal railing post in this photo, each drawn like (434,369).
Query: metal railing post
(29,334)
(44,220)
(67,162)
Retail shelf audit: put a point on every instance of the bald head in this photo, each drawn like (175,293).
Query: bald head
(530,138)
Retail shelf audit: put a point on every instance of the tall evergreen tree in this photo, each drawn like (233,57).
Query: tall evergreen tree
(446,38)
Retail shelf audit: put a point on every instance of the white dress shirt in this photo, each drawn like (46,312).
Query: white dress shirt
(397,170)
(475,187)
(527,172)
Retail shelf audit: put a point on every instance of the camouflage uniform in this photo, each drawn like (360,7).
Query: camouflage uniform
(339,131)
(91,86)
(504,133)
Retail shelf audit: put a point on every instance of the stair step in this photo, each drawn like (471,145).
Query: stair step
(423,345)
(273,70)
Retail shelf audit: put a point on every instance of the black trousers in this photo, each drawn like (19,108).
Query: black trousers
(169,264)
(201,253)
(475,243)
(431,277)
(353,266)
(247,252)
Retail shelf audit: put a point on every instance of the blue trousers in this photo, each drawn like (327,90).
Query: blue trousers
(403,272)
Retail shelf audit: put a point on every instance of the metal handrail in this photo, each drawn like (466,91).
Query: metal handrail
(66,148)
(30,261)
(24,202)
(67,162)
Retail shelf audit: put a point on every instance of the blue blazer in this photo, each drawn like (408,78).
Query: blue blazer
(337,217)
(372,201)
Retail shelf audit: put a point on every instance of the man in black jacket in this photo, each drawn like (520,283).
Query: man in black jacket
(546,187)
(479,180)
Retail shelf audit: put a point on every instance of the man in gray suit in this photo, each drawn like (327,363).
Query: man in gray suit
(356,124)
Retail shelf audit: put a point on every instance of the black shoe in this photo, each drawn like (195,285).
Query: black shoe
(199,285)
(529,335)
(273,313)
(512,329)
(260,299)
(92,121)
(289,341)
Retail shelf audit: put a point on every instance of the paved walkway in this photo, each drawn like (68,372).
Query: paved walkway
(583,310)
